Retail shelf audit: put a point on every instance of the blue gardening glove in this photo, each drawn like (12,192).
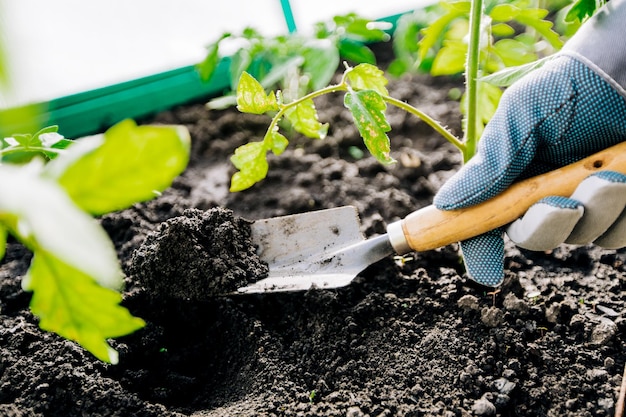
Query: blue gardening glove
(570,108)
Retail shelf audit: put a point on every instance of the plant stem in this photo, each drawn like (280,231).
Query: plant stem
(33,149)
(429,121)
(471,80)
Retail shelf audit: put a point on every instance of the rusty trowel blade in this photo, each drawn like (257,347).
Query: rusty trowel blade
(319,249)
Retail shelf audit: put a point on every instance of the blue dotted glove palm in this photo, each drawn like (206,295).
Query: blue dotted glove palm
(555,116)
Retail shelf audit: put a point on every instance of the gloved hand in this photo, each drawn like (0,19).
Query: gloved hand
(554,116)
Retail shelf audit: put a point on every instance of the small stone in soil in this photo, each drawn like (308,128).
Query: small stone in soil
(198,255)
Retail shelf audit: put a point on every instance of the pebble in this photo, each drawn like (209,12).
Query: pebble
(603,333)
(503,385)
(514,304)
(468,303)
(484,407)
(354,412)
(491,316)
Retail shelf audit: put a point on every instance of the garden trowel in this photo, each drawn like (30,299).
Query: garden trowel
(325,248)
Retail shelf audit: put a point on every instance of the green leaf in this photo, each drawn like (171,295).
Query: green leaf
(450,59)
(126,165)
(356,52)
(251,96)
(240,61)
(502,30)
(251,161)
(368,77)
(508,76)
(3,241)
(581,10)
(207,67)
(368,110)
(360,29)
(488,99)
(435,31)
(303,117)
(529,18)
(276,142)
(44,217)
(71,304)
(504,12)
(513,52)
(321,59)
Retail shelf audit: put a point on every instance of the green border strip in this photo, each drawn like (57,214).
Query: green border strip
(95,110)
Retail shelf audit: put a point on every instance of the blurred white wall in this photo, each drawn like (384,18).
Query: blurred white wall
(61,47)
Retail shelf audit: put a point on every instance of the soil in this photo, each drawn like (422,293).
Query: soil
(410,336)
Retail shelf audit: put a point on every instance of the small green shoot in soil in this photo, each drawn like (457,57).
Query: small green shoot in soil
(75,276)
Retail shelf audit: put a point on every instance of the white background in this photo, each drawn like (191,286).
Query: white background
(61,47)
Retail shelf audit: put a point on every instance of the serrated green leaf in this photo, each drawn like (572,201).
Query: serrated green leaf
(450,59)
(508,76)
(251,161)
(368,110)
(368,77)
(45,218)
(581,10)
(126,165)
(543,27)
(71,304)
(303,117)
(251,96)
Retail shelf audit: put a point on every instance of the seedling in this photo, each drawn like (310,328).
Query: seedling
(75,276)
(367,98)
(493,295)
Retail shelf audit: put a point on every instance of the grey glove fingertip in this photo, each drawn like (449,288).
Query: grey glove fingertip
(484,258)
(546,224)
(604,196)
(615,237)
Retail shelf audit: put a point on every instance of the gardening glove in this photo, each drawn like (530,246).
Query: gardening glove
(572,107)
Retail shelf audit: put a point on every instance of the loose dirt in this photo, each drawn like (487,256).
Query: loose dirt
(411,336)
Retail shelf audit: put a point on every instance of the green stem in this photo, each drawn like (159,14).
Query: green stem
(471,79)
(31,149)
(429,121)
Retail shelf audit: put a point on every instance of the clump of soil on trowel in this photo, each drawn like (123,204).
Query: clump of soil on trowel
(198,255)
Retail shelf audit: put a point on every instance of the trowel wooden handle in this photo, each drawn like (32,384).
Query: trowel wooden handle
(430,228)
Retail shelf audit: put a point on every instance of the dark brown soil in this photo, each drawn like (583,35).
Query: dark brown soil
(197,255)
(410,336)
